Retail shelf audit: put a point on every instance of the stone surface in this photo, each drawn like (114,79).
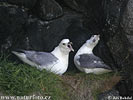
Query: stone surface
(11,26)
(118,46)
(47,9)
(108,95)
(125,87)
(113,10)
(130,38)
(93,17)
(45,35)
(113,33)
(77,5)
(127,21)
(118,43)
(26,3)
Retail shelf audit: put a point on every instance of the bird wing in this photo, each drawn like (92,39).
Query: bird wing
(91,61)
(41,58)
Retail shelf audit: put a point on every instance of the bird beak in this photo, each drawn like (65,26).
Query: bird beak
(71,43)
(70,46)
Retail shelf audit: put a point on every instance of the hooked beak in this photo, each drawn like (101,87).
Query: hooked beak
(70,46)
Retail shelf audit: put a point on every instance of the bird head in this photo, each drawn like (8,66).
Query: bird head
(93,41)
(66,46)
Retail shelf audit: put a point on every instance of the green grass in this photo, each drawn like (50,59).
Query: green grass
(22,79)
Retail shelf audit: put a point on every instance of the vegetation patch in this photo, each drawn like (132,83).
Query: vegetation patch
(89,86)
(22,79)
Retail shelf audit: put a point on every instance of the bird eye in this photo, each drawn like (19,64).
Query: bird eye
(64,44)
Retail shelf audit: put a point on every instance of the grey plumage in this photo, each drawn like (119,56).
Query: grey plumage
(91,61)
(40,58)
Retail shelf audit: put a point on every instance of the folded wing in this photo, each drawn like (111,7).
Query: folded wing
(41,58)
(91,61)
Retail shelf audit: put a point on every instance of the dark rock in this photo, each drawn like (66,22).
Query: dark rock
(12,21)
(77,5)
(113,10)
(45,35)
(3,1)
(130,39)
(118,46)
(125,87)
(62,3)
(113,33)
(108,95)
(118,43)
(86,6)
(19,31)
(47,9)
(127,21)
(26,3)
(92,11)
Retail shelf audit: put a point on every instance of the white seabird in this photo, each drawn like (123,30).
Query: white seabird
(86,61)
(55,61)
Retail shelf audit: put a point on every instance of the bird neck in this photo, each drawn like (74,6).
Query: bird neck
(60,55)
(85,49)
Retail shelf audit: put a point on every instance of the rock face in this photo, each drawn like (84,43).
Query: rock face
(77,5)
(118,43)
(11,25)
(93,17)
(127,23)
(114,34)
(33,33)
(45,35)
(128,18)
(26,3)
(47,9)
(108,95)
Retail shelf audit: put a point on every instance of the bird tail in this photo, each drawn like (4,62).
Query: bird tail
(19,54)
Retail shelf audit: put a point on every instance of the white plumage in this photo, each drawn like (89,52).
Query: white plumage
(55,61)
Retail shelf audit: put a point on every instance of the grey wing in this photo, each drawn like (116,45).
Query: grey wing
(41,58)
(91,61)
